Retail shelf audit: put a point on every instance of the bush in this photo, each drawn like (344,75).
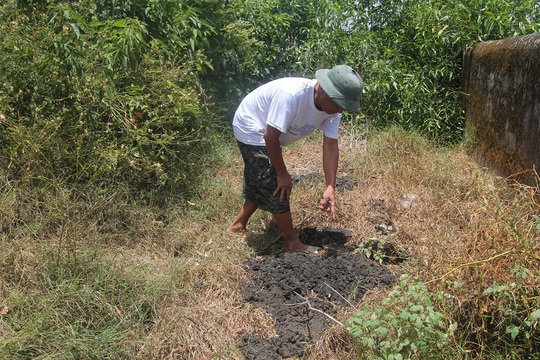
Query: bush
(96,101)
(410,54)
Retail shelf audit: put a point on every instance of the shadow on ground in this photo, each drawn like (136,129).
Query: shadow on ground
(301,291)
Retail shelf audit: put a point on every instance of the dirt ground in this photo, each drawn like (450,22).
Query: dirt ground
(301,291)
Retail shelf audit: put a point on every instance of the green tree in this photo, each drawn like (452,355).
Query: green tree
(410,53)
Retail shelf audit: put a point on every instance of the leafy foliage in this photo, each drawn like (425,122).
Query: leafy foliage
(259,41)
(406,324)
(510,308)
(97,98)
(513,315)
(410,53)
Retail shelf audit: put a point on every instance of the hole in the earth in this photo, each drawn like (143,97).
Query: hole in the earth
(270,243)
(322,238)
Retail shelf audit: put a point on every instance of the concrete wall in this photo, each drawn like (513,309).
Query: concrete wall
(502,80)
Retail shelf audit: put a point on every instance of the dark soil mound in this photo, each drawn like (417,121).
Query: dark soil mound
(296,289)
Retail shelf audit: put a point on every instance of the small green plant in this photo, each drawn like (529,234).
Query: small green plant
(372,248)
(381,250)
(527,328)
(406,324)
(514,314)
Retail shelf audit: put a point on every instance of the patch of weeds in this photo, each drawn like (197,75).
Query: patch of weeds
(406,324)
(514,315)
(381,250)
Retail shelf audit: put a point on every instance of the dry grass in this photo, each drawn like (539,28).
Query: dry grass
(465,226)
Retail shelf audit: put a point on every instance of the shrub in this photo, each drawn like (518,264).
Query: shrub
(96,101)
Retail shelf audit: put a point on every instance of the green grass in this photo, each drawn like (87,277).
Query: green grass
(83,306)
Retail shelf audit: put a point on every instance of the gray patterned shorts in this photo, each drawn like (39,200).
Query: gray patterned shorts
(260,179)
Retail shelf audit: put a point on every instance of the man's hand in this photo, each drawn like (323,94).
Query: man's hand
(284,186)
(328,201)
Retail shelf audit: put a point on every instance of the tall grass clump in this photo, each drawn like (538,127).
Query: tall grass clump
(508,303)
(79,306)
(68,288)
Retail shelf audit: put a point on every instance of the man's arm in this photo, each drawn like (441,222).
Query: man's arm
(330,166)
(271,138)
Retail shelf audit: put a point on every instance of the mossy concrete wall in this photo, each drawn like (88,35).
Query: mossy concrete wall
(502,82)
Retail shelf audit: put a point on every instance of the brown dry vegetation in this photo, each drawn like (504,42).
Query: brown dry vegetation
(465,226)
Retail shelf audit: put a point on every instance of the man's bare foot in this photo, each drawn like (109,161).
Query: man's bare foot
(236,228)
(307,249)
(295,246)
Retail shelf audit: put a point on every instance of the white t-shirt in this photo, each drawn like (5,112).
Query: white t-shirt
(286,104)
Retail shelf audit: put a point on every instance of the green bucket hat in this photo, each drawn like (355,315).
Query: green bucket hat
(343,85)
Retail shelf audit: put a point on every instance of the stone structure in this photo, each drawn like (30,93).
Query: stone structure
(502,82)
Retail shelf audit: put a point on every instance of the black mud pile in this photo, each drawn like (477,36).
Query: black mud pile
(290,286)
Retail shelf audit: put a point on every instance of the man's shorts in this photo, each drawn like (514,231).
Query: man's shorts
(260,180)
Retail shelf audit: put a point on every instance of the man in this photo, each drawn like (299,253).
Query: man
(277,114)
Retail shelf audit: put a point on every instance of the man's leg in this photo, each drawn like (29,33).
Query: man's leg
(239,224)
(285,225)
